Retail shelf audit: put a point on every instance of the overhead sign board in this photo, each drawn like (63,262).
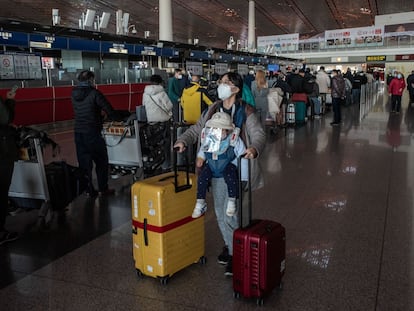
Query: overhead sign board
(273,44)
(40,45)
(354,37)
(376,58)
(404,57)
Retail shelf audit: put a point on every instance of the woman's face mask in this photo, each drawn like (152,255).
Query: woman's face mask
(399,76)
(224,91)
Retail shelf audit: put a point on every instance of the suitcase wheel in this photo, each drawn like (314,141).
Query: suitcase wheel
(202,260)
(259,301)
(164,280)
(236,295)
(139,273)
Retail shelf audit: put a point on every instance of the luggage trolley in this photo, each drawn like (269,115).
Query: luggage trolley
(124,148)
(29,180)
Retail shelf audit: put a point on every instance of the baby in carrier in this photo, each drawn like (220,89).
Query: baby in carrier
(220,147)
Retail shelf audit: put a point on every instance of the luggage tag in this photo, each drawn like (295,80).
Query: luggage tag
(234,135)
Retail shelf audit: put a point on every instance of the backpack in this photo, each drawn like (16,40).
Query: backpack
(192,103)
(308,86)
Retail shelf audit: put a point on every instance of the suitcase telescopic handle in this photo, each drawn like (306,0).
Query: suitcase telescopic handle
(187,185)
(242,190)
(145,232)
(187,171)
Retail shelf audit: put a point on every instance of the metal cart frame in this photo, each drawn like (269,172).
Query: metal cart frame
(125,151)
(29,180)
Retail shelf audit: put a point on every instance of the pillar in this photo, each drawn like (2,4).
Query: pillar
(251,38)
(165,20)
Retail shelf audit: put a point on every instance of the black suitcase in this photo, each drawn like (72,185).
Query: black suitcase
(65,182)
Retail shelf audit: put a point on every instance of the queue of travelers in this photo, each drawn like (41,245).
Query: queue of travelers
(223,94)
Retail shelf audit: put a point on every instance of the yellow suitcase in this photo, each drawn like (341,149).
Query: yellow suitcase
(165,237)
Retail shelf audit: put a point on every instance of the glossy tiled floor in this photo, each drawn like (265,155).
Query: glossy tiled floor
(344,195)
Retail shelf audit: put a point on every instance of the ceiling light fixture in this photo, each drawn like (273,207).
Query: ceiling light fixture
(132,29)
(230,12)
(55,17)
(102,21)
(87,19)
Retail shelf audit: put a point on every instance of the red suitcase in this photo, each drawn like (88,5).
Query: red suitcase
(259,252)
(300,97)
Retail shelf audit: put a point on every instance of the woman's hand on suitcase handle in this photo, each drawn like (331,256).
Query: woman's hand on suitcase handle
(250,153)
(179,147)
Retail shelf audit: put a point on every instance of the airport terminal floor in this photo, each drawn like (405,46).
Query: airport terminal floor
(344,194)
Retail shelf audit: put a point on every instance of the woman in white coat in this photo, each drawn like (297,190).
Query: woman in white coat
(159,108)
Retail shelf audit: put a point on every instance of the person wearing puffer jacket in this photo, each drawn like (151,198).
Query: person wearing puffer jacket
(88,106)
(396,89)
(159,108)
(157,104)
(194,100)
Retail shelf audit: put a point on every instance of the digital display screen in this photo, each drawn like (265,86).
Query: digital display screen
(273,67)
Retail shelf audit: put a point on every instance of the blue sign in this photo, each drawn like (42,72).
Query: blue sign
(84,45)
(225,57)
(13,38)
(200,54)
(122,48)
(169,52)
(56,42)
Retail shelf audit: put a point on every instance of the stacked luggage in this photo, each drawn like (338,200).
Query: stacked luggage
(300,100)
(153,139)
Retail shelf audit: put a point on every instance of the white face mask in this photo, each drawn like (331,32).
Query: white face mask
(179,76)
(399,76)
(224,91)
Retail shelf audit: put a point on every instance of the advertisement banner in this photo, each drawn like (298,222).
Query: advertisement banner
(355,37)
(273,44)
(399,34)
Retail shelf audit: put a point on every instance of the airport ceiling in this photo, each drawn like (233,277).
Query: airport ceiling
(212,22)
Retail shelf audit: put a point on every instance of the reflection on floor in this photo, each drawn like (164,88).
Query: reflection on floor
(343,193)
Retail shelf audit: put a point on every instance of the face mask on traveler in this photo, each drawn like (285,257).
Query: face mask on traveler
(399,76)
(179,76)
(224,91)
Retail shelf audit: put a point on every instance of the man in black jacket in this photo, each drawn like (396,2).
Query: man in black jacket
(8,154)
(297,82)
(88,104)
